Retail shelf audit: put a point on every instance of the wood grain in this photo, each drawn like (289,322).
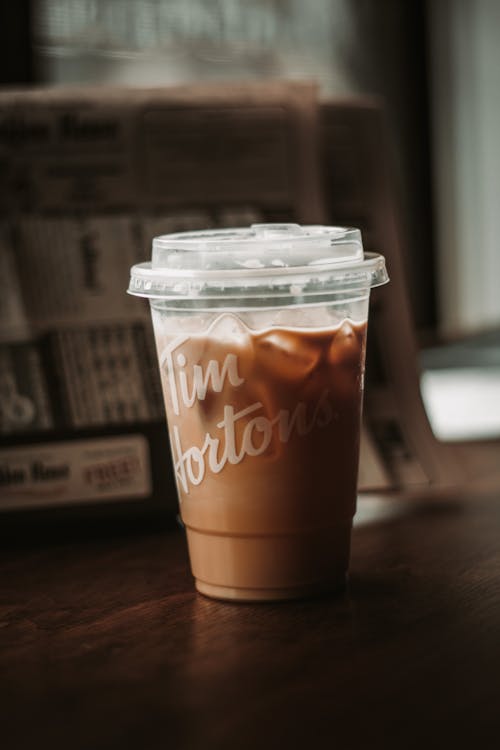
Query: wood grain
(105,644)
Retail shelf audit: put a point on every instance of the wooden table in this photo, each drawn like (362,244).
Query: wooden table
(105,644)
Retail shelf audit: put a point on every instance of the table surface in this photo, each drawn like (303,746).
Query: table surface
(105,644)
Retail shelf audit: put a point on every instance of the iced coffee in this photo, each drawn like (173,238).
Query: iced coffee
(263,398)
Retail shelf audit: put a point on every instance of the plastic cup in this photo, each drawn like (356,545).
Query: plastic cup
(261,336)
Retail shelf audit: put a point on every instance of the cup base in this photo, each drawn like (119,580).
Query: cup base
(270,567)
(233,594)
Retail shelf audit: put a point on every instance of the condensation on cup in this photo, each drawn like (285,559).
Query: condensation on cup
(261,336)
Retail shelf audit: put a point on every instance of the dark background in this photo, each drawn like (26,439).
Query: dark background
(388,58)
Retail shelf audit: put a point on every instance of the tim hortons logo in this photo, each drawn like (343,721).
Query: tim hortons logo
(189,383)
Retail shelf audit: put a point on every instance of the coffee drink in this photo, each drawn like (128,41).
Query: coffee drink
(261,335)
(264,431)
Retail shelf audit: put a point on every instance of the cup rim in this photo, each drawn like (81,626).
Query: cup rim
(298,281)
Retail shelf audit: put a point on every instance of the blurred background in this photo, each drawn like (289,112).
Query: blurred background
(434,66)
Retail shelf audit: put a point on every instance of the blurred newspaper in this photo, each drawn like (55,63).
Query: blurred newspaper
(87,178)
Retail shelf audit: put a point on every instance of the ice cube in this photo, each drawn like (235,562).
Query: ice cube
(345,349)
(229,328)
(287,354)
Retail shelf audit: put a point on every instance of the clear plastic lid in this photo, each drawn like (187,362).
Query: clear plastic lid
(250,266)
